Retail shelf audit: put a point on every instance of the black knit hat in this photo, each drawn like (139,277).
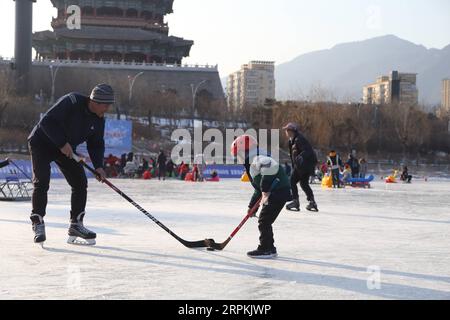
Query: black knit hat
(103,93)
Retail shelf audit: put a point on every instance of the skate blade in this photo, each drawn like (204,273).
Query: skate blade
(313,210)
(266,257)
(293,209)
(40,244)
(80,241)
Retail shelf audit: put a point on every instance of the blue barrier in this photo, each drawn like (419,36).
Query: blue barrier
(25,165)
(224,171)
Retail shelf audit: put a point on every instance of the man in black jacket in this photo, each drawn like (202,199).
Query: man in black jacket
(304,161)
(74,119)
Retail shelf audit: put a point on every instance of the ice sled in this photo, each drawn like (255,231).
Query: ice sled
(393,178)
(215,179)
(361,182)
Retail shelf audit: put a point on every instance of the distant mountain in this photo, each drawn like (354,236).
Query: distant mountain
(346,68)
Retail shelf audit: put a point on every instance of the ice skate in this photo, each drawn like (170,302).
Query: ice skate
(38,229)
(263,254)
(312,206)
(293,206)
(79,234)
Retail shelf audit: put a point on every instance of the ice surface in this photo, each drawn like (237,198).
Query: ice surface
(402,230)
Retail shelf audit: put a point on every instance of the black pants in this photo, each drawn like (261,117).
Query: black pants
(267,217)
(303,178)
(335,177)
(41,157)
(162,172)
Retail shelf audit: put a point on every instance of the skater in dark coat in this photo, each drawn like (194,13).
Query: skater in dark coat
(271,185)
(162,159)
(304,161)
(74,119)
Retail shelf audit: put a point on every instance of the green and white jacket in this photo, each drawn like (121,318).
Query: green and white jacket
(263,171)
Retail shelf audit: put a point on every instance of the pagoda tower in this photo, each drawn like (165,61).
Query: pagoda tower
(119,30)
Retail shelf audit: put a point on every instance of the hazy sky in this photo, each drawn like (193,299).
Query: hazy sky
(232,32)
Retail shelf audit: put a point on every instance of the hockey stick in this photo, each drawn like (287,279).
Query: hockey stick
(188,244)
(220,246)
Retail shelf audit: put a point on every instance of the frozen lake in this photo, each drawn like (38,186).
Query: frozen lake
(388,242)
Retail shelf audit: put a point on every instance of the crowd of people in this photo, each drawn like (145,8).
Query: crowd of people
(340,172)
(132,166)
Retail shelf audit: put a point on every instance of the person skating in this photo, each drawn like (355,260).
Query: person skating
(271,183)
(162,159)
(74,119)
(334,164)
(304,161)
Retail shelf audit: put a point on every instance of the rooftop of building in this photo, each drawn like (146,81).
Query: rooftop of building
(108,33)
(128,3)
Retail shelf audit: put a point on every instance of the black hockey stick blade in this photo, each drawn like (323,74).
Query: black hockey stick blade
(217,246)
(197,244)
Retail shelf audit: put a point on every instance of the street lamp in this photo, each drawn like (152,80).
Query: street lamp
(131,81)
(194,94)
(53,73)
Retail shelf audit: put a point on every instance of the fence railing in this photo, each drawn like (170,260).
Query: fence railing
(119,65)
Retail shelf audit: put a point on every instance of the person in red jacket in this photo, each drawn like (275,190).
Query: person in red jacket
(184,169)
(195,176)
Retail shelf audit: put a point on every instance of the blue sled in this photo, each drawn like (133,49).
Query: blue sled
(361,180)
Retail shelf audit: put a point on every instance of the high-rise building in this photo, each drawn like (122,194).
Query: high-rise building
(132,30)
(446,95)
(252,85)
(395,88)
